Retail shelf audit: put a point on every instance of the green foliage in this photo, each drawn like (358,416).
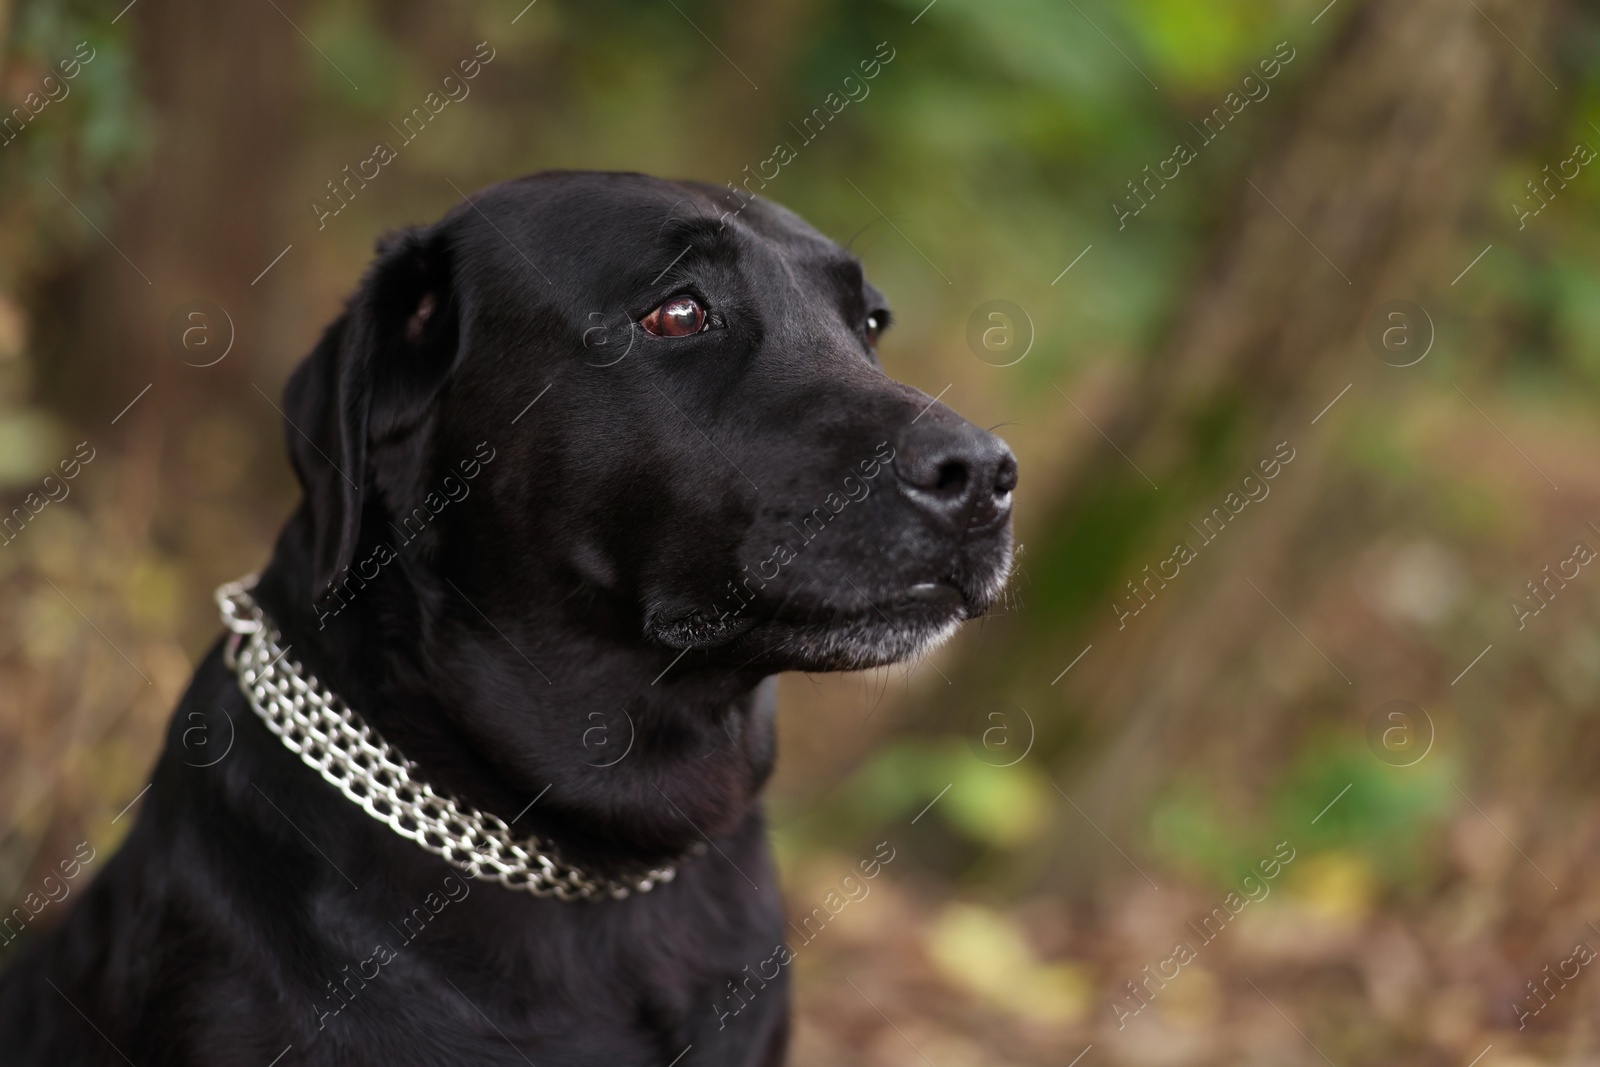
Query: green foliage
(82,142)
(995,143)
(1336,797)
(988,805)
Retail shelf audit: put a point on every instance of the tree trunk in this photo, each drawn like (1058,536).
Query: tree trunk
(1358,201)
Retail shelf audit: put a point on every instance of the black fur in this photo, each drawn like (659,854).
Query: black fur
(509,593)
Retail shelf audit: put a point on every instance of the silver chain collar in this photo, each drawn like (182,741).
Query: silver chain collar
(333,740)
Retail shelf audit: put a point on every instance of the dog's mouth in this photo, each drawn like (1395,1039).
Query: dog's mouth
(940,593)
(918,604)
(841,624)
(862,629)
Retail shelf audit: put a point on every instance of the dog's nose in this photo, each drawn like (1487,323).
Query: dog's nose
(959,475)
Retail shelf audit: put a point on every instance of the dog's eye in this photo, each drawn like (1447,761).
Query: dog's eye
(678,317)
(877,322)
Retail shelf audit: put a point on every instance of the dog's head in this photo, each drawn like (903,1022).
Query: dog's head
(655,408)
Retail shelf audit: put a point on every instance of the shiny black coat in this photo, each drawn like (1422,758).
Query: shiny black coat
(554,558)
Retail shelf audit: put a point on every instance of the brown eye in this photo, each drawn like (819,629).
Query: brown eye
(875,325)
(678,317)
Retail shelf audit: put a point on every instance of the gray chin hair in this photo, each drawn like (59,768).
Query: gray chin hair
(1001,576)
(863,643)
(871,641)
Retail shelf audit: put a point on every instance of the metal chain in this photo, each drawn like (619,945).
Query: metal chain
(325,732)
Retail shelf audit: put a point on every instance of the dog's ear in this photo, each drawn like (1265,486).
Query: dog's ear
(370,381)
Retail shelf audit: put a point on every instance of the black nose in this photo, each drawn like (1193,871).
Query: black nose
(960,476)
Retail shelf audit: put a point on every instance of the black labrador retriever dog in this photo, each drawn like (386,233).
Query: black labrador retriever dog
(585,464)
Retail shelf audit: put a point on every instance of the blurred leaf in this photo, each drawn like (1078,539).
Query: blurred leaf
(987,952)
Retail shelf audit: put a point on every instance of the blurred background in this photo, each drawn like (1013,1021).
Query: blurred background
(1376,253)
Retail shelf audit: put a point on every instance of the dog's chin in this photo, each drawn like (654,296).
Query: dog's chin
(819,627)
(858,641)
(851,633)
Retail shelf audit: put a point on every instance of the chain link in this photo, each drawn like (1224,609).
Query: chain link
(332,739)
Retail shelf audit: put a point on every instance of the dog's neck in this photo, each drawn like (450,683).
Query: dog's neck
(624,751)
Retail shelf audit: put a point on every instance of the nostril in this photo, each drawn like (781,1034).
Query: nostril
(1005,475)
(956,475)
(952,479)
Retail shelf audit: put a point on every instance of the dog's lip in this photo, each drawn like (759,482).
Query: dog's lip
(935,593)
(920,601)
(944,595)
